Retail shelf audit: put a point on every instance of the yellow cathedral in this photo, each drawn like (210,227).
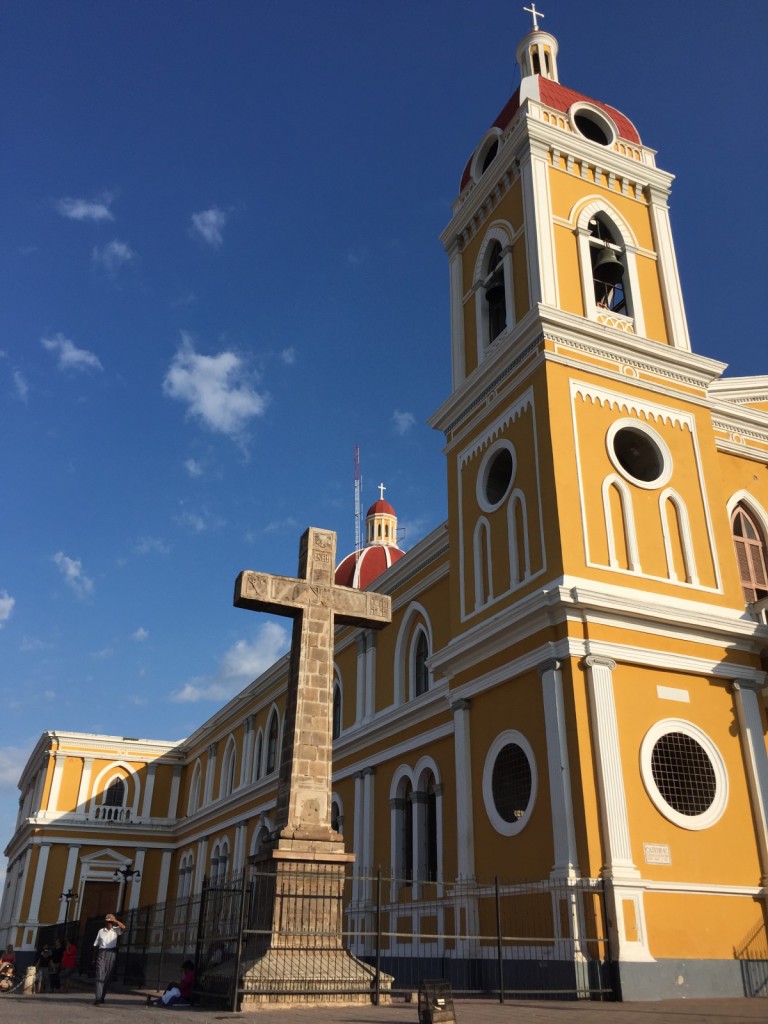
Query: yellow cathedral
(572,688)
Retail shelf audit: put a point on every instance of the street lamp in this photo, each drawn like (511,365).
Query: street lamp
(126,872)
(68,896)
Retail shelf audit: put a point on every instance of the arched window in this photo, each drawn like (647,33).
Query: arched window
(429,830)
(420,670)
(272,738)
(336,730)
(257,757)
(115,794)
(228,769)
(193,803)
(482,559)
(751,554)
(406,833)
(186,871)
(608,266)
(337,816)
(219,861)
(494,294)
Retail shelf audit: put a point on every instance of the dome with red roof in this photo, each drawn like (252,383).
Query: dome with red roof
(360,568)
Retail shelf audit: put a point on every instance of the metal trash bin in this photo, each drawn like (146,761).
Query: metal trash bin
(435,1002)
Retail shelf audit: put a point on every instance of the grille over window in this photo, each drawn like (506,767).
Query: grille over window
(683,773)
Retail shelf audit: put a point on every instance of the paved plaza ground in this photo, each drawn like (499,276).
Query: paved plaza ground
(77,1008)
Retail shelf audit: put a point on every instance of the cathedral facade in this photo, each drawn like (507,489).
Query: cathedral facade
(572,684)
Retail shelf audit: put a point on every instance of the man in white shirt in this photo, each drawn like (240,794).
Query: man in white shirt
(106,946)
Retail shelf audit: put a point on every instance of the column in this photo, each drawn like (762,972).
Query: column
(456,275)
(210,772)
(625,898)
(83,793)
(246,764)
(69,879)
(138,865)
(200,859)
(465,830)
(666,263)
(37,889)
(561,801)
(539,240)
(362,664)
(366,893)
(370,676)
(58,772)
(149,788)
(173,800)
(751,733)
(358,838)
(165,873)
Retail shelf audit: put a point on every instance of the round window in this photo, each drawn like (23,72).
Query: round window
(509,782)
(496,476)
(684,774)
(594,125)
(639,453)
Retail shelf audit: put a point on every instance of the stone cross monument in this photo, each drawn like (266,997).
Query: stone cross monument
(304,864)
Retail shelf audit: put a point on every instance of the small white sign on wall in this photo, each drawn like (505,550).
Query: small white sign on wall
(657,853)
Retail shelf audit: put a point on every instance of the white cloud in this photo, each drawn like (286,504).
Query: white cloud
(357,255)
(140,635)
(151,546)
(12,761)
(113,255)
(70,356)
(20,383)
(72,571)
(209,225)
(241,664)
(86,209)
(6,606)
(105,652)
(288,355)
(215,388)
(198,521)
(193,467)
(278,525)
(403,421)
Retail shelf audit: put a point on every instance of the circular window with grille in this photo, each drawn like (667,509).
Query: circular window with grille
(496,476)
(684,774)
(639,453)
(509,782)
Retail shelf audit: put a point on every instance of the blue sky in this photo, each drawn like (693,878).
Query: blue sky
(221,271)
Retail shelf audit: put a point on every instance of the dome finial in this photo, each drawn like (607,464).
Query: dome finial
(382,488)
(535,15)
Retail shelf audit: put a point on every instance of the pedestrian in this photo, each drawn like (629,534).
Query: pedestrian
(68,964)
(56,955)
(106,945)
(42,970)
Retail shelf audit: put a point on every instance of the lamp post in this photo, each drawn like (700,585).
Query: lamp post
(126,872)
(68,896)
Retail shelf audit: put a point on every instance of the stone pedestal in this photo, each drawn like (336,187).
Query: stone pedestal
(297,955)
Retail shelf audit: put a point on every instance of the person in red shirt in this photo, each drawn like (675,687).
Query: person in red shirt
(7,966)
(68,964)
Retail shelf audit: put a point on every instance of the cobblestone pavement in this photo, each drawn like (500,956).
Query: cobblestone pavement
(77,1008)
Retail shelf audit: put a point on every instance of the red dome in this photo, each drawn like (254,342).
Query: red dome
(372,562)
(553,94)
(380,507)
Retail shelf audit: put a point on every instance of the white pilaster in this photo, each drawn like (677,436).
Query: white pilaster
(561,802)
(37,888)
(246,764)
(202,854)
(84,791)
(136,880)
(361,668)
(149,788)
(58,772)
(751,733)
(173,799)
(669,278)
(539,237)
(165,874)
(370,676)
(69,878)
(368,822)
(358,837)
(465,831)
(456,283)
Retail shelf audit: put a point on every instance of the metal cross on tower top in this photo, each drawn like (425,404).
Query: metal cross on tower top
(535,15)
(382,488)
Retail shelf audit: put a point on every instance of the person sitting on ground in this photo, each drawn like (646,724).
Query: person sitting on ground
(68,964)
(178,993)
(7,967)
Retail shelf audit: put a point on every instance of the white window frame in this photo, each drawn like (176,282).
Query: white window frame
(501,232)
(508,828)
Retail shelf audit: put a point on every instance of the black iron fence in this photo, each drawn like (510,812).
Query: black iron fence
(375,935)
(752,952)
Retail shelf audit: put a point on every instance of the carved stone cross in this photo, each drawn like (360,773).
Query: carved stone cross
(316,603)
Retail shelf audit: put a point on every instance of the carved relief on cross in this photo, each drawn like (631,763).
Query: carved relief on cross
(316,604)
